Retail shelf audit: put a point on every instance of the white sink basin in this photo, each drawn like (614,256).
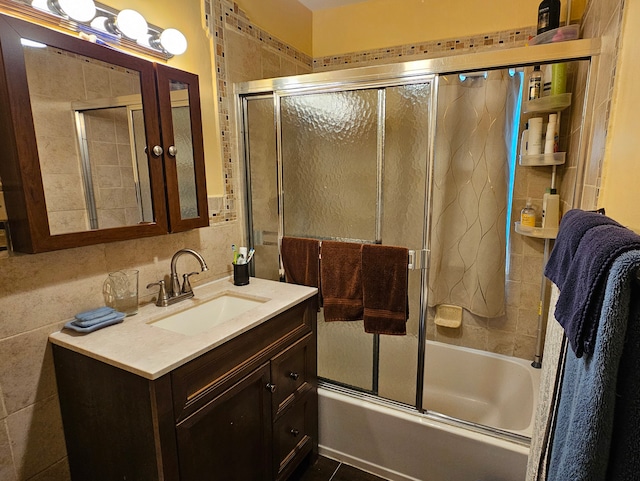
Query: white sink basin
(208,314)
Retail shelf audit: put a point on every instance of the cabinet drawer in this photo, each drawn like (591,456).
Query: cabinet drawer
(293,435)
(202,379)
(291,372)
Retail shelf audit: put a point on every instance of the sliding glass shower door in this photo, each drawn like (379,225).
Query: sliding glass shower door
(351,165)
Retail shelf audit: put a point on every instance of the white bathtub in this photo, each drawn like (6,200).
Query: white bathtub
(398,444)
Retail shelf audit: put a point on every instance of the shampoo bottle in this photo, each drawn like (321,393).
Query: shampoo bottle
(535,83)
(528,215)
(550,137)
(550,209)
(548,15)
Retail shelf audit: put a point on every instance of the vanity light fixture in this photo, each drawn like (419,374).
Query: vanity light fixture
(126,28)
(78,10)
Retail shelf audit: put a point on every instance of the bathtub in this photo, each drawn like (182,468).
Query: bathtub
(401,444)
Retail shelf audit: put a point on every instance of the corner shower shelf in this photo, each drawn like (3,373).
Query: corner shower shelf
(553,103)
(542,160)
(537,232)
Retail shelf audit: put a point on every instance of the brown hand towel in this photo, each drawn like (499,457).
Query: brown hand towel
(301,260)
(341,281)
(384,286)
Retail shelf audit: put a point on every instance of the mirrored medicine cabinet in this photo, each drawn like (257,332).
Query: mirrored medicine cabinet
(99,145)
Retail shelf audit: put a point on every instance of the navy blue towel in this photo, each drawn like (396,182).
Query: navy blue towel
(583,284)
(573,226)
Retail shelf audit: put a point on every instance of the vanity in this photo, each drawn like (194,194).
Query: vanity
(154,399)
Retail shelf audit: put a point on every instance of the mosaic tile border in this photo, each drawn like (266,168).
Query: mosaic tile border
(422,50)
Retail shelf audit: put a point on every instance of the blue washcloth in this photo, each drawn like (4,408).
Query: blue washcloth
(594,437)
(580,300)
(573,226)
(97,320)
(98,323)
(94,313)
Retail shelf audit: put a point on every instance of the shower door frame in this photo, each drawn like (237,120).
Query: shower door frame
(405,73)
(419,255)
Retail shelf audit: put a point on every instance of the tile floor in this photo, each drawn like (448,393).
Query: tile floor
(325,469)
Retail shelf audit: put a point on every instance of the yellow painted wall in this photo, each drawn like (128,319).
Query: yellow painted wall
(621,171)
(187,16)
(288,20)
(385,23)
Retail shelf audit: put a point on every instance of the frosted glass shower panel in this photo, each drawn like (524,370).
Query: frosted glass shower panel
(263,185)
(329,164)
(406,152)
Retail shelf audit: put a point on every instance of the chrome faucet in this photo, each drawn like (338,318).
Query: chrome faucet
(177,293)
(175,282)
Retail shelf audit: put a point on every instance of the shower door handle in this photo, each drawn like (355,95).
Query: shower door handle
(418,259)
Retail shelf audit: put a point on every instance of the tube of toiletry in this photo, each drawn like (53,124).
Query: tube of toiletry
(558,78)
(550,137)
(242,255)
(550,209)
(524,141)
(534,146)
(546,80)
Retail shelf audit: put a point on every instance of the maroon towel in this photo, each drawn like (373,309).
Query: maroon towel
(385,281)
(341,281)
(301,260)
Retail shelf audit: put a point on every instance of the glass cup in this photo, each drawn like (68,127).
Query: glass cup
(120,291)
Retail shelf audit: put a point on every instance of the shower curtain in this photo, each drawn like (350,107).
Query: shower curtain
(473,148)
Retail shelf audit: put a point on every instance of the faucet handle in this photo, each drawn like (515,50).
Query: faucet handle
(186,285)
(163,298)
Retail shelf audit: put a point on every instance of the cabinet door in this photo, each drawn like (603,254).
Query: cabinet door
(65,122)
(181,123)
(229,439)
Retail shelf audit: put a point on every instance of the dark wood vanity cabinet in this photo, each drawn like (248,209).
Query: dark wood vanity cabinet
(247,410)
(98,145)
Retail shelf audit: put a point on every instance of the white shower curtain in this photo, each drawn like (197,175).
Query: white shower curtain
(474,129)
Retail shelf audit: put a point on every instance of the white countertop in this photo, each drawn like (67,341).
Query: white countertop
(149,351)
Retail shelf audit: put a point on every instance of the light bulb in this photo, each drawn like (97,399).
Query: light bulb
(78,10)
(131,24)
(173,41)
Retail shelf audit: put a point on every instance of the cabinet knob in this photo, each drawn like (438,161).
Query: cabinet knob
(271,387)
(294,375)
(173,150)
(294,432)
(157,150)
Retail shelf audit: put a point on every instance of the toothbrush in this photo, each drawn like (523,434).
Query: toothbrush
(235,253)
(250,256)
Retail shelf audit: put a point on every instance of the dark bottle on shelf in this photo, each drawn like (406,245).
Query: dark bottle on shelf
(548,15)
